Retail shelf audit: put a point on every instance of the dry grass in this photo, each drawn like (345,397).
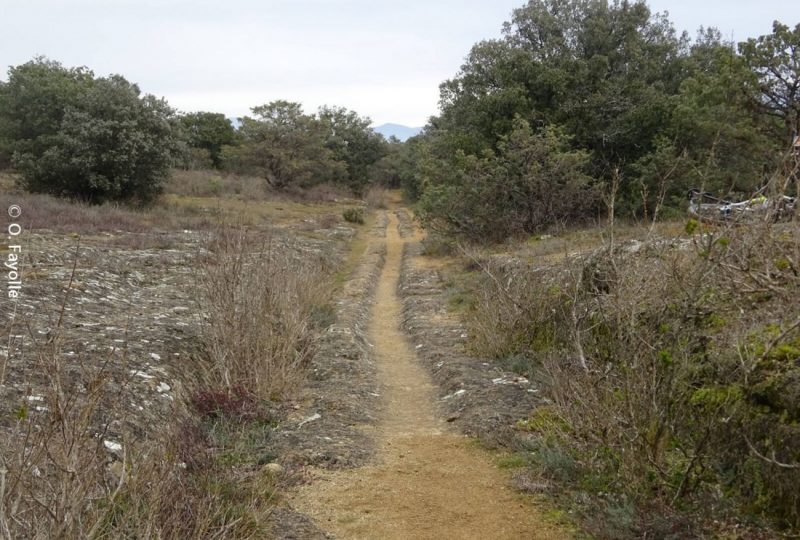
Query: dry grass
(194,200)
(319,193)
(53,470)
(209,183)
(669,365)
(259,301)
(377,198)
(46,212)
(70,467)
(58,477)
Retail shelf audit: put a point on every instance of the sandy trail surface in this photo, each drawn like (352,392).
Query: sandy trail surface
(425,481)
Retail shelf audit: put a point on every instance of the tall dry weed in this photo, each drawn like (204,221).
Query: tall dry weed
(377,197)
(74,466)
(258,301)
(672,367)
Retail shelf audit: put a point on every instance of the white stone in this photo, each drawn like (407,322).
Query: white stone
(113,446)
(455,394)
(315,416)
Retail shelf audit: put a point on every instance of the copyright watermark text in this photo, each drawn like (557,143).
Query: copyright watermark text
(13,276)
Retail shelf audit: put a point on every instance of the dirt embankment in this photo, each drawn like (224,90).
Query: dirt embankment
(474,395)
(331,428)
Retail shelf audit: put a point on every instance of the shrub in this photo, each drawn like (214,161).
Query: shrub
(674,364)
(437,245)
(92,139)
(376,197)
(533,181)
(259,333)
(354,215)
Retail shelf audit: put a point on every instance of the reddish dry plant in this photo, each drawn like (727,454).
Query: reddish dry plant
(236,403)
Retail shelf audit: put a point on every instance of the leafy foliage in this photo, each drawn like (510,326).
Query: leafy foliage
(353,143)
(534,180)
(290,148)
(354,215)
(654,112)
(209,132)
(75,135)
(285,146)
(775,62)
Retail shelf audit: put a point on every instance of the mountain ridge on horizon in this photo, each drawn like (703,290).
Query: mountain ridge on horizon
(400,131)
(389,129)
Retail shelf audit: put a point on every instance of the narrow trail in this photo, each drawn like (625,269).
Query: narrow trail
(425,482)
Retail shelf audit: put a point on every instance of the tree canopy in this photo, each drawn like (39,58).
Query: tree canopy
(209,132)
(291,148)
(651,110)
(775,62)
(96,139)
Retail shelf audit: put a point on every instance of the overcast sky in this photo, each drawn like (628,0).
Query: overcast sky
(382,58)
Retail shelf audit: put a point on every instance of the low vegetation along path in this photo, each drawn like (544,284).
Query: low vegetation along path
(426,482)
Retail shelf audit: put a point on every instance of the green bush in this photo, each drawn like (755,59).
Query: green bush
(94,139)
(354,215)
(436,245)
(207,134)
(532,182)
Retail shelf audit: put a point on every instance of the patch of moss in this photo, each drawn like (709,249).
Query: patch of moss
(713,397)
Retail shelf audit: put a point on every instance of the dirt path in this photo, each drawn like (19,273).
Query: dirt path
(426,482)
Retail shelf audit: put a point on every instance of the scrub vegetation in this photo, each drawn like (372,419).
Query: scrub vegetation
(181,270)
(555,176)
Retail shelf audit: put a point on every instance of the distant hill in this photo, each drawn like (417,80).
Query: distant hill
(387,130)
(401,132)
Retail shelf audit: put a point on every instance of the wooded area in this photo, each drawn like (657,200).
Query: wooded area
(579,96)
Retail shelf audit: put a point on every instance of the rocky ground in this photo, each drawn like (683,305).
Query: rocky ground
(124,308)
(127,304)
(476,396)
(132,312)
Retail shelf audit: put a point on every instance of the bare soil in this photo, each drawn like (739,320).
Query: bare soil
(425,481)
